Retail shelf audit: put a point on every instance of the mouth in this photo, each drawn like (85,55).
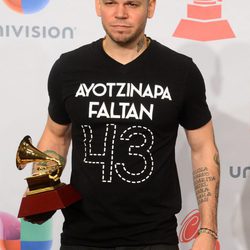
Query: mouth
(122,26)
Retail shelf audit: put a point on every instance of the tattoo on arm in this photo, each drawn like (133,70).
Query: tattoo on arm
(217,187)
(217,159)
(41,166)
(56,155)
(202,178)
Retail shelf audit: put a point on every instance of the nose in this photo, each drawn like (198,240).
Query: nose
(121,11)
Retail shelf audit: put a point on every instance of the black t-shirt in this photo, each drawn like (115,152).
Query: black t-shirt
(124,126)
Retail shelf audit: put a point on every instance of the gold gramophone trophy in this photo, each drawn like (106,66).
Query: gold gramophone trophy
(46,192)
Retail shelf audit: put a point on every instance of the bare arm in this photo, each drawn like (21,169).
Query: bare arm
(206,175)
(55,141)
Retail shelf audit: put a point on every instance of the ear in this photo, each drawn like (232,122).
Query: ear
(98,7)
(151,8)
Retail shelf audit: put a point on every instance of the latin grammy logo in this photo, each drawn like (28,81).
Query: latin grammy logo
(204,22)
(189,228)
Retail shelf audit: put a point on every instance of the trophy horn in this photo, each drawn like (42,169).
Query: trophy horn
(27,153)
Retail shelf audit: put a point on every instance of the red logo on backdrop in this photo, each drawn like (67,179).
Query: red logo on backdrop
(204,22)
(190,227)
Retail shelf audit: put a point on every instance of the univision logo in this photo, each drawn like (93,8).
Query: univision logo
(33,31)
(26,6)
(16,235)
(27,31)
(239,172)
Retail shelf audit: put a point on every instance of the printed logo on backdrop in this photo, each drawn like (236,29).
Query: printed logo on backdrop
(239,172)
(9,232)
(26,6)
(38,237)
(189,229)
(204,22)
(16,235)
(31,30)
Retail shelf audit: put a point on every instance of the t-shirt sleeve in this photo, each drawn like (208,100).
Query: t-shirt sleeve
(56,108)
(195,112)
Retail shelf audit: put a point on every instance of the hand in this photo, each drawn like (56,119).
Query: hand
(39,218)
(204,242)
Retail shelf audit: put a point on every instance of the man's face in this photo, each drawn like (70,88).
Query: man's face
(124,20)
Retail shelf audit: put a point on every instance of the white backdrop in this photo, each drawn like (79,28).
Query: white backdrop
(30,43)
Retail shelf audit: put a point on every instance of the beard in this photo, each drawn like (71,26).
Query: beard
(125,38)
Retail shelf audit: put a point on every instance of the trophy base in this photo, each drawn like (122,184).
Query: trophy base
(43,202)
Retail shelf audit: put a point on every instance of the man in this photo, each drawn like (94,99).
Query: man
(121,100)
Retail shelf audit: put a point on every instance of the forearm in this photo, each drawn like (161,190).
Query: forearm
(52,144)
(55,142)
(206,175)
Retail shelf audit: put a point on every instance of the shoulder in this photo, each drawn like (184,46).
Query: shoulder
(80,55)
(166,55)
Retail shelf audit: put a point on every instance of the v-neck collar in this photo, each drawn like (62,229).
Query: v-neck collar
(115,63)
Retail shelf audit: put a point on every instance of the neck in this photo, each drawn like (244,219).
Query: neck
(125,53)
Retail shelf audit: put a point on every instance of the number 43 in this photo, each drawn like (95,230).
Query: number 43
(106,160)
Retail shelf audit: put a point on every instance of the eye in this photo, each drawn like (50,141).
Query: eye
(109,2)
(133,4)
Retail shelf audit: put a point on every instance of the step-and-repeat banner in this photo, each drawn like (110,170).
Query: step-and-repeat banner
(215,33)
